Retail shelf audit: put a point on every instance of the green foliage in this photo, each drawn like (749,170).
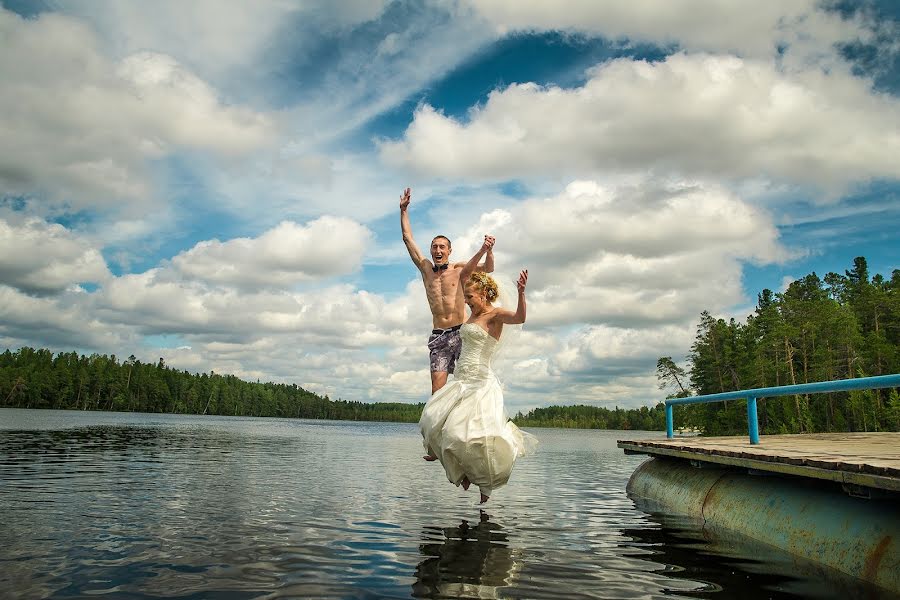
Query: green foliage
(32,378)
(845,326)
(595,417)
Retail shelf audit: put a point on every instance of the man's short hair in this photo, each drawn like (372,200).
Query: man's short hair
(444,237)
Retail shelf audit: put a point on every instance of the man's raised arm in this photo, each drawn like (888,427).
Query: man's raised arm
(488,264)
(414,253)
(472,266)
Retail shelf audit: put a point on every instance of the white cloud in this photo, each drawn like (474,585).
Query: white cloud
(183,110)
(631,256)
(618,278)
(215,37)
(81,129)
(381,68)
(45,258)
(703,114)
(283,256)
(93,116)
(64,322)
(758,29)
(599,351)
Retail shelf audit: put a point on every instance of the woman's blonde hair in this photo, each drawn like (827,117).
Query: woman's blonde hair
(486,283)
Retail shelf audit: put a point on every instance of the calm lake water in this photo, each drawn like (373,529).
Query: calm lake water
(127,505)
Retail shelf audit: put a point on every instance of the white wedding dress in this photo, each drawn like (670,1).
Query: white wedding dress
(464,423)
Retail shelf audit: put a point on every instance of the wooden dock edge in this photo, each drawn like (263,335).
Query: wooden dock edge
(848,478)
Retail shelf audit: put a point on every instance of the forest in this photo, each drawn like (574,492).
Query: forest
(31,378)
(595,417)
(818,329)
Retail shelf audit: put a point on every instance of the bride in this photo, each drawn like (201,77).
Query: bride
(464,424)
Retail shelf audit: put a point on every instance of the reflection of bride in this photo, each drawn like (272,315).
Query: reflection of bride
(465,561)
(464,424)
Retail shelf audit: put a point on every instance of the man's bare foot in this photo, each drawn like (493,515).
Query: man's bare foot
(429,457)
(484,498)
(466,483)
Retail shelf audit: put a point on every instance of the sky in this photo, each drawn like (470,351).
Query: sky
(216,183)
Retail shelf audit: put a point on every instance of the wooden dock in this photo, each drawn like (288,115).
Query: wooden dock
(869,460)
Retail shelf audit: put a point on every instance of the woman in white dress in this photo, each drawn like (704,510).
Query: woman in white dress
(464,424)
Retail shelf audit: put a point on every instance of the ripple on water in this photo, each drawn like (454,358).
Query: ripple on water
(147,506)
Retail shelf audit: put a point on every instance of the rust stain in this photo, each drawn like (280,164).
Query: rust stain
(873,560)
(711,497)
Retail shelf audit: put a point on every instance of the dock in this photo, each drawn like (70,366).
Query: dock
(854,460)
(829,498)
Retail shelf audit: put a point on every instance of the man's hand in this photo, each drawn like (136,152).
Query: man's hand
(523,279)
(404,199)
(488,243)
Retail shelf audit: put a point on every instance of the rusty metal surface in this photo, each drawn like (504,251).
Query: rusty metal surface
(813,521)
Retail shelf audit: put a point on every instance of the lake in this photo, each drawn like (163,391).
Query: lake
(127,505)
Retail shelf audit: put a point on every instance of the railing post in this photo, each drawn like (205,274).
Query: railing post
(670,432)
(752,421)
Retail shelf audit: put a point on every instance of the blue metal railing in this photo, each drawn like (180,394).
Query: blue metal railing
(844,385)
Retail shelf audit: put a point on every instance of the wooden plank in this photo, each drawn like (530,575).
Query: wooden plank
(860,479)
(863,453)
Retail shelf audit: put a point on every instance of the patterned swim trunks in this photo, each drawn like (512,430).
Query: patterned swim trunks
(444,346)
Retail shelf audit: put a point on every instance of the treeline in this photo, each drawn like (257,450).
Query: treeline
(839,327)
(32,378)
(595,417)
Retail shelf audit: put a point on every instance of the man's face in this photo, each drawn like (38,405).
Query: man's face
(440,250)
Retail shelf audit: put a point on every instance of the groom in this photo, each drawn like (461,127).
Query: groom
(444,293)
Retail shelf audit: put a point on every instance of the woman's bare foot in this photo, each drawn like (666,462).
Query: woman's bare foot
(430,457)
(466,483)
(484,498)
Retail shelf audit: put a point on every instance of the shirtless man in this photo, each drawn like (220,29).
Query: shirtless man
(445,295)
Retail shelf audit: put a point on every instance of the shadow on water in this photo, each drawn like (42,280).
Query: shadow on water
(466,561)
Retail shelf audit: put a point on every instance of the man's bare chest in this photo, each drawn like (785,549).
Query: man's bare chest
(443,285)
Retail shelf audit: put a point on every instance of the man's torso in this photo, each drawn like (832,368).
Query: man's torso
(445,297)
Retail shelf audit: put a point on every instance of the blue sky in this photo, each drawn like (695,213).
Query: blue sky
(217,184)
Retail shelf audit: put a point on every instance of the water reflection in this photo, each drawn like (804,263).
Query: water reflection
(736,565)
(465,561)
(127,505)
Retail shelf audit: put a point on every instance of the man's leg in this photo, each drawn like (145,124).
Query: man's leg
(438,380)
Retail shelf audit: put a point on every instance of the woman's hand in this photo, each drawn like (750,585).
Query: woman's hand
(523,279)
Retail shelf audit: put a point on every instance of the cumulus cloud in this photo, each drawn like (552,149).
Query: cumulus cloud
(600,351)
(80,128)
(157,304)
(695,114)
(645,254)
(46,258)
(618,276)
(63,321)
(761,29)
(97,104)
(289,253)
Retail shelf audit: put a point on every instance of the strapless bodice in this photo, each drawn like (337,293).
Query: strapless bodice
(478,348)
